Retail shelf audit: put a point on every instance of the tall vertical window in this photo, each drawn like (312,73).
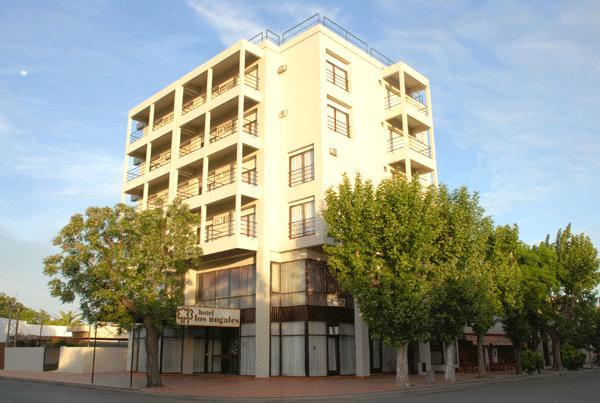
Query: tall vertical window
(301,168)
(302,219)
(337,75)
(338,120)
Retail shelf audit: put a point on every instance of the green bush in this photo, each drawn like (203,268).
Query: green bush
(571,358)
(531,360)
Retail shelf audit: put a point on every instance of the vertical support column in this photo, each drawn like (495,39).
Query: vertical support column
(405,123)
(434,174)
(209,85)
(239,148)
(175,142)
(146,170)
(187,364)
(151,119)
(361,344)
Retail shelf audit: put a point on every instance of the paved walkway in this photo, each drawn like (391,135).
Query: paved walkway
(231,386)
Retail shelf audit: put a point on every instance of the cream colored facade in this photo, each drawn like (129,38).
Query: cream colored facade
(226,138)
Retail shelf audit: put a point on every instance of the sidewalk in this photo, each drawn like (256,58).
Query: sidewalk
(231,386)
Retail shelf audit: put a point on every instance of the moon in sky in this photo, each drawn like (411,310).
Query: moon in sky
(23,73)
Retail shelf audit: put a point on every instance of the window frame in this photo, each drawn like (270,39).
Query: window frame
(307,171)
(311,228)
(338,125)
(332,76)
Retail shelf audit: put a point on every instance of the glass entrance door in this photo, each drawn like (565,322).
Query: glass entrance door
(217,350)
(333,350)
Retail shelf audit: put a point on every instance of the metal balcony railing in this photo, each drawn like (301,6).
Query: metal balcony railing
(417,104)
(338,79)
(301,175)
(326,22)
(160,160)
(302,228)
(395,143)
(223,130)
(250,176)
(224,86)
(251,128)
(189,190)
(163,120)
(190,145)
(218,180)
(419,146)
(251,81)
(158,199)
(221,230)
(136,171)
(338,126)
(137,134)
(193,104)
(248,226)
(393,98)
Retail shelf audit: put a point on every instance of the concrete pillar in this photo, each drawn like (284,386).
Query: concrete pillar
(187,364)
(361,344)
(405,123)
(434,174)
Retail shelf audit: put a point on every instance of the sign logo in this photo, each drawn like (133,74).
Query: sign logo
(192,315)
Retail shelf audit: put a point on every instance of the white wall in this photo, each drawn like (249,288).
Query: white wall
(24,359)
(79,359)
(30,329)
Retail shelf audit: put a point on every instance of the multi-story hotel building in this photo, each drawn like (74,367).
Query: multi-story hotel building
(251,140)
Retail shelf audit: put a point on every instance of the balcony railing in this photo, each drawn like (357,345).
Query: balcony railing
(217,180)
(221,230)
(137,134)
(251,128)
(419,146)
(223,130)
(224,86)
(338,126)
(248,226)
(193,104)
(158,199)
(301,175)
(163,120)
(160,160)
(249,175)
(251,81)
(395,143)
(393,98)
(338,79)
(417,104)
(189,190)
(302,228)
(190,145)
(136,171)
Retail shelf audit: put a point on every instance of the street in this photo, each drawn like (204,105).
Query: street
(582,386)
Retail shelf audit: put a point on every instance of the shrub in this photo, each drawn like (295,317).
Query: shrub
(531,360)
(572,358)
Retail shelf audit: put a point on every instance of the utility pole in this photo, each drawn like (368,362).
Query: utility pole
(10,311)
(17,326)
(41,326)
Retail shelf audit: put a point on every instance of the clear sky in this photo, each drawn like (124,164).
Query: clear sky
(515,91)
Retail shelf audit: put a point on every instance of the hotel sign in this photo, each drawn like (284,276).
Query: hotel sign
(192,315)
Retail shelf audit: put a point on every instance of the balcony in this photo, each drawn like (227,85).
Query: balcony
(190,145)
(249,176)
(393,98)
(136,171)
(137,134)
(338,126)
(163,120)
(222,131)
(189,189)
(159,199)
(302,228)
(227,229)
(160,160)
(224,86)
(251,128)
(396,142)
(193,104)
(418,103)
(219,179)
(301,175)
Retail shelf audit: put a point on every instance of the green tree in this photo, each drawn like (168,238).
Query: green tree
(461,236)
(578,274)
(382,241)
(125,266)
(68,318)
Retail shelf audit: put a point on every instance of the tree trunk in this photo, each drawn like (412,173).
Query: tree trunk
(152,370)
(450,373)
(556,361)
(402,366)
(518,364)
(480,355)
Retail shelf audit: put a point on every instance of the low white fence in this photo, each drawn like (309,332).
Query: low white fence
(80,359)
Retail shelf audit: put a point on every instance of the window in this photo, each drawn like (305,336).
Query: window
(231,288)
(302,219)
(288,283)
(301,168)
(338,121)
(337,75)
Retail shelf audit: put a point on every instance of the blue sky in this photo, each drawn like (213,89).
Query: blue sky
(515,91)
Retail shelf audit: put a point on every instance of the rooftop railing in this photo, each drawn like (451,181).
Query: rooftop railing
(310,22)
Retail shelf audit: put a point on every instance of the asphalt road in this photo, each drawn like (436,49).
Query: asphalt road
(582,386)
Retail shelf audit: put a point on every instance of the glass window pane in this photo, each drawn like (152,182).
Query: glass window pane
(235,288)
(222,286)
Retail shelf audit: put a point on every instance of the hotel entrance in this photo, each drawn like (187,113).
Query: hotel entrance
(217,350)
